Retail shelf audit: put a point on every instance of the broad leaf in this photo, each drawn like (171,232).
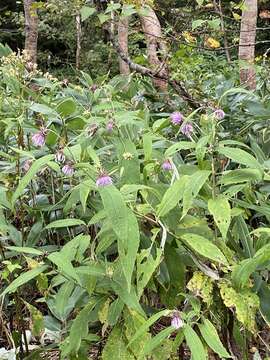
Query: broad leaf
(211,337)
(125,226)
(194,343)
(28,177)
(220,209)
(204,247)
(23,279)
(172,196)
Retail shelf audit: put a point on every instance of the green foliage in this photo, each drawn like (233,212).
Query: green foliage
(103,245)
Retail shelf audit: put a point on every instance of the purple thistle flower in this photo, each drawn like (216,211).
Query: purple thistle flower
(39,138)
(104,180)
(94,87)
(219,114)
(68,170)
(27,164)
(167,166)
(177,322)
(176,118)
(110,126)
(59,156)
(187,129)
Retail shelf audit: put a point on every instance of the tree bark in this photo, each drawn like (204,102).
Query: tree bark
(247,43)
(123,44)
(156,47)
(31,31)
(79,36)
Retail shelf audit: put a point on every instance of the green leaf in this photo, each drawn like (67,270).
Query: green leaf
(79,327)
(204,247)
(115,311)
(64,223)
(144,328)
(37,320)
(220,209)
(43,109)
(26,250)
(23,279)
(125,226)
(75,248)
(115,347)
(86,12)
(147,147)
(146,265)
(34,169)
(63,304)
(194,343)
(66,107)
(196,182)
(181,145)
(240,156)
(240,176)
(197,23)
(211,337)
(157,340)
(172,196)
(244,236)
(64,266)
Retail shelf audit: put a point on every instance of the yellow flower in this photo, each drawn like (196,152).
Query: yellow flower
(188,37)
(212,43)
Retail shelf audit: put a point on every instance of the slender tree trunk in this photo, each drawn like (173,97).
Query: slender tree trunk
(156,47)
(218,7)
(247,43)
(79,39)
(123,44)
(31,31)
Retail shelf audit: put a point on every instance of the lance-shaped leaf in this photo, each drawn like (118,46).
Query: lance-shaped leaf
(220,209)
(204,247)
(125,226)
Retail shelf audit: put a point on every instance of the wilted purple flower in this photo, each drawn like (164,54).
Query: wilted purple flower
(219,114)
(187,129)
(167,166)
(176,118)
(92,129)
(59,156)
(104,180)
(27,164)
(110,126)
(177,322)
(39,138)
(68,170)
(94,87)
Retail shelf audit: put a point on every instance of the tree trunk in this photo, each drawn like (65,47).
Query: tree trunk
(156,47)
(79,36)
(31,31)
(247,43)
(123,44)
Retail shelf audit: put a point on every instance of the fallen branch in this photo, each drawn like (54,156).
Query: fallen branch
(179,87)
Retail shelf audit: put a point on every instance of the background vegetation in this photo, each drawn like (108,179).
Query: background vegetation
(134,180)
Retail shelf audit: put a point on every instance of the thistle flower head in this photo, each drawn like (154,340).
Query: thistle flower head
(39,138)
(167,166)
(91,130)
(68,169)
(104,180)
(110,126)
(176,321)
(176,118)
(27,164)
(187,129)
(219,114)
(60,157)
(94,87)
